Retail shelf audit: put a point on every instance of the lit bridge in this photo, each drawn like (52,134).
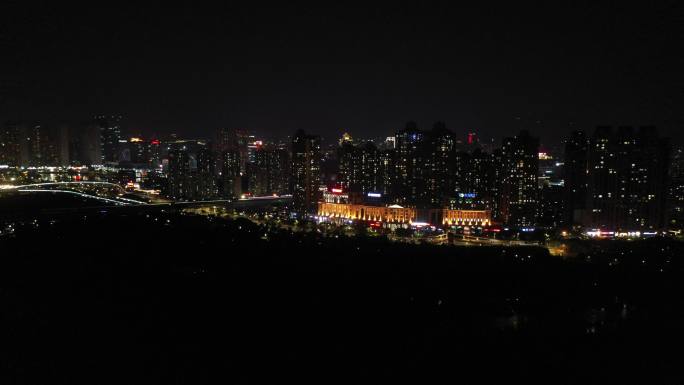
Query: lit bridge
(107,198)
(104,192)
(81,185)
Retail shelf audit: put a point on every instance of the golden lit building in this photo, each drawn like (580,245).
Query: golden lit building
(389,214)
(403,215)
(466,217)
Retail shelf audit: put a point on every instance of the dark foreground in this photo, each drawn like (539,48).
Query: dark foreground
(137,300)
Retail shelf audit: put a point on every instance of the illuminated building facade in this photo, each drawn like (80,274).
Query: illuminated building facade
(466,217)
(335,196)
(398,215)
(387,214)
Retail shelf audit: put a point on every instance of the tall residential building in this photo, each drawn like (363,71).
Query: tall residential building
(497,172)
(230,175)
(576,176)
(386,172)
(235,139)
(279,169)
(179,178)
(476,179)
(551,210)
(412,157)
(349,170)
(204,175)
(441,164)
(238,145)
(370,169)
(602,178)
(627,179)
(10,144)
(675,207)
(109,127)
(269,173)
(44,146)
(83,144)
(519,194)
(427,167)
(191,174)
(155,159)
(359,167)
(225,139)
(306,169)
(63,137)
(140,151)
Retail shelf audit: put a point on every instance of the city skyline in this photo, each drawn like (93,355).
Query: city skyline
(617,178)
(337,193)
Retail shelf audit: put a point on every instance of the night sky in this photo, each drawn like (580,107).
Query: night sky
(364,70)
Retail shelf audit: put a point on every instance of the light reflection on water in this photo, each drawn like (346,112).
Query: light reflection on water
(606,317)
(513,322)
(595,319)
